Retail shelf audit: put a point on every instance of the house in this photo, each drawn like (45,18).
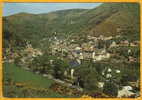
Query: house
(81,56)
(131,59)
(38,52)
(72,40)
(124,43)
(109,70)
(117,71)
(101,37)
(135,84)
(108,75)
(73,64)
(117,36)
(129,51)
(133,44)
(33,52)
(137,42)
(87,55)
(91,37)
(11,60)
(93,55)
(125,92)
(73,46)
(98,58)
(108,38)
(28,45)
(113,44)
(72,72)
(51,61)
(107,55)
(89,46)
(100,85)
(79,61)
(78,48)
(100,54)
(85,46)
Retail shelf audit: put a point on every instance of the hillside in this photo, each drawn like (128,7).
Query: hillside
(108,17)
(105,20)
(27,84)
(73,53)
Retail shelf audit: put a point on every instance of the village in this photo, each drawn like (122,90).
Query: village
(94,49)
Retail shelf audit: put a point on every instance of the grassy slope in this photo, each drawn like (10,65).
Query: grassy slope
(20,75)
(113,15)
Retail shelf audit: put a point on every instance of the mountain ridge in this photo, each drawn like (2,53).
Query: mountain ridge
(102,20)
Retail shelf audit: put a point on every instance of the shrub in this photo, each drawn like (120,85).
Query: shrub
(59,68)
(110,89)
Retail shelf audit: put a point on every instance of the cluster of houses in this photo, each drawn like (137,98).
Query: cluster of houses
(25,55)
(87,50)
(30,53)
(82,51)
(125,43)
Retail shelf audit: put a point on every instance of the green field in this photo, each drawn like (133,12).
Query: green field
(18,75)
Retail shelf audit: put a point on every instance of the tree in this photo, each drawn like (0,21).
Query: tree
(41,64)
(59,66)
(91,82)
(110,89)
(88,76)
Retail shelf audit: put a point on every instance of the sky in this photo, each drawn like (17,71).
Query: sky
(36,8)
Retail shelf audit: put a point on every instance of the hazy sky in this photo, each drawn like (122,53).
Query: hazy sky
(12,8)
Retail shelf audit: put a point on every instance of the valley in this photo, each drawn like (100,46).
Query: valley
(73,53)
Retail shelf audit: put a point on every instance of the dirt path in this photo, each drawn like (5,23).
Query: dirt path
(63,82)
(58,81)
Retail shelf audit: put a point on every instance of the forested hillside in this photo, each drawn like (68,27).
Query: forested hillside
(108,19)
